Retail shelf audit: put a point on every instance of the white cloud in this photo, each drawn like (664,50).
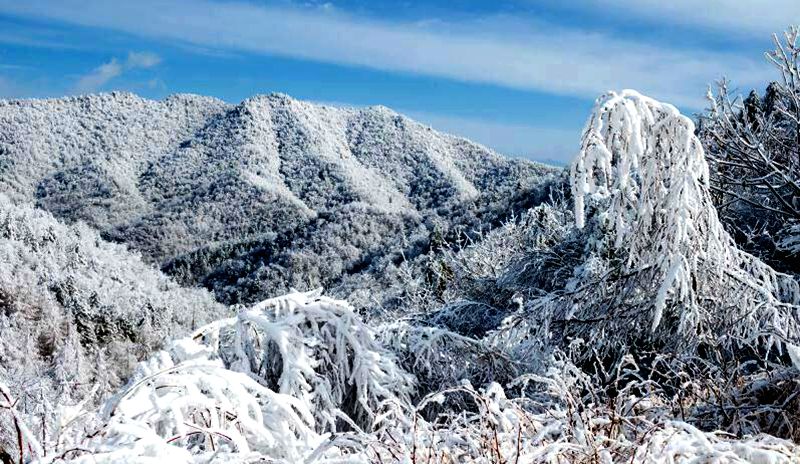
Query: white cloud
(104,73)
(500,50)
(142,60)
(99,76)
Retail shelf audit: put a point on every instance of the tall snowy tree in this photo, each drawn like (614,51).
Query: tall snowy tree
(658,259)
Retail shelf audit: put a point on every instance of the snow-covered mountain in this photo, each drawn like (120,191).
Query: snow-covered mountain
(619,324)
(254,198)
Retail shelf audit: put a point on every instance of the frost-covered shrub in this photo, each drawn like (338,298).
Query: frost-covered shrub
(561,416)
(185,402)
(272,382)
(439,357)
(317,350)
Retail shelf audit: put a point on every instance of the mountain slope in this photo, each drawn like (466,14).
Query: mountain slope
(244,198)
(77,313)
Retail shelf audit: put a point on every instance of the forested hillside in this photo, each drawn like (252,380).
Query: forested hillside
(77,314)
(252,199)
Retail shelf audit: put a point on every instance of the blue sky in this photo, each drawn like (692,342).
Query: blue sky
(518,75)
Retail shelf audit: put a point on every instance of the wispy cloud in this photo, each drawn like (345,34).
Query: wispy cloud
(104,73)
(34,36)
(99,76)
(499,50)
(142,60)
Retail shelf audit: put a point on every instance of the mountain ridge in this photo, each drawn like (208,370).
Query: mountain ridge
(175,177)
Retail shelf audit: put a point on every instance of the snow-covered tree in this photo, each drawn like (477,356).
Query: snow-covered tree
(77,314)
(753,146)
(659,264)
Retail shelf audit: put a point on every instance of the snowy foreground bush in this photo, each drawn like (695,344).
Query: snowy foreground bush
(662,343)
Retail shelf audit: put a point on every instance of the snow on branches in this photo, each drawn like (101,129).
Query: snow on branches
(275,381)
(641,188)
